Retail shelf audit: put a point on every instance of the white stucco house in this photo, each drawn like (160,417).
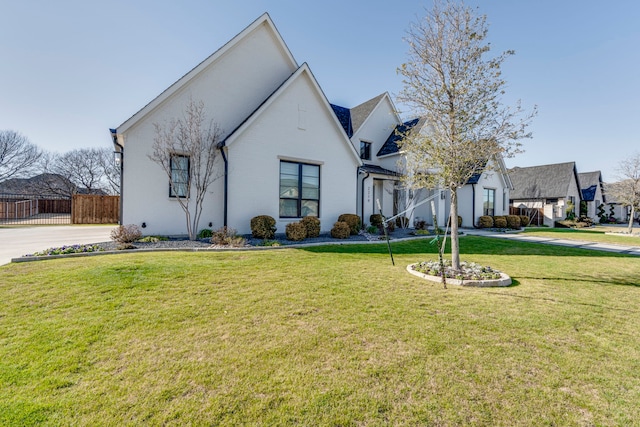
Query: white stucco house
(283,149)
(375,129)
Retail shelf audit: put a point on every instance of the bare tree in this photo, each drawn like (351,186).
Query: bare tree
(627,190)
(79,170)
(186,149)
(456,90)
(110,171)
(18,156)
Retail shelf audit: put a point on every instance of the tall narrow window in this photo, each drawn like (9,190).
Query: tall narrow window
(179,185)
(365,150)
(299,190)
(489,204)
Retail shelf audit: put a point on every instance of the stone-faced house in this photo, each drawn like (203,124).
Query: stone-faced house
(548,188)
(283,149)
(591,187)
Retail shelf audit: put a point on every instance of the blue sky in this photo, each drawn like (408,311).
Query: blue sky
(73,68)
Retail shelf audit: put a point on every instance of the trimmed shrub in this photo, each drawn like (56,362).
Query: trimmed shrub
(421,225)
(340,230)
(391,227)
(353,220)
(500,221)
(205,233)
(296,231)
(524,220)
(513,222)
(402,222)
(376,220)
(263,227)
(312,224)
(485,221)
(372,229)
(225,236)
(126,234)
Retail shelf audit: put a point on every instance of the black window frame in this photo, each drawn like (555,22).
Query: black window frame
(365,150)
(485,210)
(172,185)
(299,199)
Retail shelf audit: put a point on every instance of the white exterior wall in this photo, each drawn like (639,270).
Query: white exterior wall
(376,129)
(574,191)
(297,126)
(231,87)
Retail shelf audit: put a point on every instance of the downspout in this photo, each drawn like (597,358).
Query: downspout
(362,197)
(120,149)
(473,205)
(226,181)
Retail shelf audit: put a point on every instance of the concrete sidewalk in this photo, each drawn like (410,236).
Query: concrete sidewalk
(607,247)
(18,241)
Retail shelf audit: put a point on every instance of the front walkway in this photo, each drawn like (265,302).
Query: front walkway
(607,247)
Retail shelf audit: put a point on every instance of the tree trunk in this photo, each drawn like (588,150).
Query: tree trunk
(630,229)
(455,241)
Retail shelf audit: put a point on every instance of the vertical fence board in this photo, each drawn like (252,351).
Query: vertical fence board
(92,209)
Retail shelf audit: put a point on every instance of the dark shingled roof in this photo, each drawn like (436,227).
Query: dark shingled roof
(589,182)
(344,117)
(542,182)
(391,144)
(377,170)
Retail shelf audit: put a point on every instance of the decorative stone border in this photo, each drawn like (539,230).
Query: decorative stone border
(503,281)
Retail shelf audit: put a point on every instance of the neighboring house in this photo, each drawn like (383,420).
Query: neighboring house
(547,188)
(44,185)
(591,187)
(613,208)
(285,151)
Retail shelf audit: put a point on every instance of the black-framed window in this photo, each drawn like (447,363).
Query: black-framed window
(489,201)
(365,150)
(179,185)
(299,190)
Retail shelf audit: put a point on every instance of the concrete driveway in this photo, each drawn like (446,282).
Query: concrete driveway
(18,241)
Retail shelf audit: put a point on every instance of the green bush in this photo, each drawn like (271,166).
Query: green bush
(402,222)
(205,233)
(372,229)
(421,225)
(513,222)
(524,220)
(340,230)
(500,221)
(225,236)
(263,227)
(312,224)
(126,233)
(376,220)
(296,231)
(485,221)
(353,220)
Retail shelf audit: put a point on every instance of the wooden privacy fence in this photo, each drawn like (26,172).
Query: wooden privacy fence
(92,209)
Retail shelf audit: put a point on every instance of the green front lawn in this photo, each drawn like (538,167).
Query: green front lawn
(596,234)
(331,335)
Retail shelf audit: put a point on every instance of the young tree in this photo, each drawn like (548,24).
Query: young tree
(18,156)
(187,149)
(627,190)
(455,89)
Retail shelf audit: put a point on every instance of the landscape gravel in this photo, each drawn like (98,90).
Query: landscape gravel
(280,238)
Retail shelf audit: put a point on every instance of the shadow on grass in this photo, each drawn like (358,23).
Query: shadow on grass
(469,245)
